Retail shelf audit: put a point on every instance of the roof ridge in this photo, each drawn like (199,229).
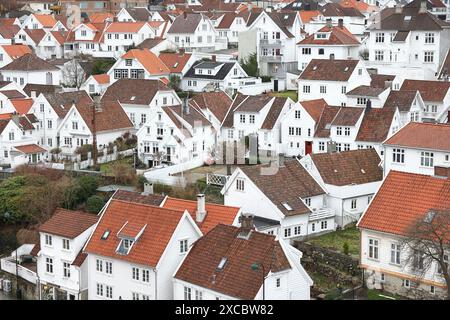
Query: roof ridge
(147,205)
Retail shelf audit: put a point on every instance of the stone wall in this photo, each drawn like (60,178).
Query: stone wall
(28,289)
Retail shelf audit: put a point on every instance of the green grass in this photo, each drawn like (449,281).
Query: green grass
(291,94)
(381,295)
(106,167)
(335,240)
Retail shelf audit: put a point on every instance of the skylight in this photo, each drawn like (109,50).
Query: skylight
(105,235)
(132,98)
(315,68)
(363,171)
(346,69)
(407,18)
(287,206)
(222,263)
(286,17)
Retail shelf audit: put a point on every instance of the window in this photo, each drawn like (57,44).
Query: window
(297,230)
(321,146)
(135,273)
(339,131)
(308,201)
(240,184)
(297,114)
(382,277)
(198,295)
(278,282)
(373,249)
(183,246)
(11,135)
(230,134)
(66,269)
(109,293)
(48,240)
(395,253)
(135,296)
(242,118)
(49,265)
(291,131)
(368,199)
(418,259)
(287,232)
(432,289)
(309,132)
(428,56)
(83,33)
(361,101)
(306,50)
(323,225)
(99,265)
(429,37)
(99,289)
(187,293)
(66,244)
(338,147)
(323,89)
(313,227)
(353,204)
(398,155)
(347,131)
(379,37)
(143,118)
(406,283)
(360,71)
(252,118)
(306,89)
(343,89)
(379,55)
(146,275)
(426,159)
(108,267)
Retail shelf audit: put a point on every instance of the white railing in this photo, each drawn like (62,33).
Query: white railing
(216,179)
(350,217)
(321,213)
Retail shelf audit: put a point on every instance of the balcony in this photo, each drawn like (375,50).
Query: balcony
(271,58)
(322,213)
(270,44)
(26,268)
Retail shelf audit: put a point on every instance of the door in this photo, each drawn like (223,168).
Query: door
(150,163)
(275,85)
(168,156)
(308,147)
(33,158)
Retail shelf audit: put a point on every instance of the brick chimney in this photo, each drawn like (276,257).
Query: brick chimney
(246,221)
(423,6)
(185,15)
(148,189)
(201,208)
(341,23)
(213,58)
(181,51)
(398,8)
(441,171)
(329,23)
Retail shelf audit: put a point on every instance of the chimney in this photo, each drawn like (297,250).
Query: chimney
(441,171)
(148,189)
(33,94)
(246,221)
(281,160)
(181,51)
(341,23)
(249,7)
(398,8)
(423,6)
(186,106)
(368,105)
(329,23)
(185,15)
(388,84)
(213,58)
(15,117)
(201,208)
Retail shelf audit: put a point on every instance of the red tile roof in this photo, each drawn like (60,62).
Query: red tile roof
(79,259)
(376,124)
(429,90)
(315,108)
(161,224)
(338,36)
(101,78)
(423,136)
(22,106)
(217,102)
(329,70)
(236,277)
(175,61)
(16,50)
(69,224)
(307,15)
(148,60)
(129,27)
(402,199)
(46,20)
(30,149)
(100,17)
(215,213)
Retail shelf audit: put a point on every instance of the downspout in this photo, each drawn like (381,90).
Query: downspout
(156,283)
(342,213)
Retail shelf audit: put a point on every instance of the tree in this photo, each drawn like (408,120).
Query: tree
(102,65)
(94,204)
(74,74)
(250,65)
(174,82)
(427,245)
(86,187)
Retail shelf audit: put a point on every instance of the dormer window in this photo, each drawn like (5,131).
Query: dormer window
(321,35)
(129,234)
(128,62)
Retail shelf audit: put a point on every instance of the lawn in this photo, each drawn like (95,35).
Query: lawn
(380,295)
(106,167)
(291,94)
(336,240)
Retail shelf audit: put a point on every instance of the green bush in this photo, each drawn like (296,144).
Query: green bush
(94,204)
(162,188)
(345,248)
(87,186)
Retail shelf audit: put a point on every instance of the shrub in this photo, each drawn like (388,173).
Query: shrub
(345,248)
(87,186)
(94,204)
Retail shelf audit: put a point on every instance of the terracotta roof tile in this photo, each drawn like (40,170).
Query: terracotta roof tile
(349,167)
(152,199)
(129,27)
(274,113)
(34,252)
(376,124)
(12,94)
(142,90)
(315,108)
(296,183)
(16,50)
(236,278)
(324,125)
(367,91)
(46,20)
(215,213)
(422,135)
(148,60)
(390,213)
(429,90)
(101,78)
(30,149)
(217,102)
(29,62)
(9,32)
(379,80)
(67,223)
(22,106)
(161,224)
(338,36)
(329,70)
(307,15)
(402,99)
(100,17)
(36,34)
(79,259)
(347,116)
(175,61)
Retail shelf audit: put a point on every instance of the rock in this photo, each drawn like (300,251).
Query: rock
(321,296)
